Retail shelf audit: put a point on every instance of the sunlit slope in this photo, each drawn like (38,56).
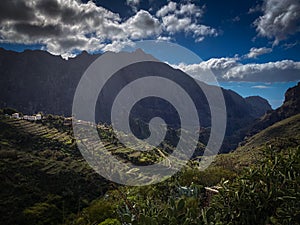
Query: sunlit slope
(281,135)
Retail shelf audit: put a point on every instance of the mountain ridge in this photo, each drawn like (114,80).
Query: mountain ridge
(34,81)
(290,107)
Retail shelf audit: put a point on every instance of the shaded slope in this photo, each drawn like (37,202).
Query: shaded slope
(34,81)
(290,107)
(45,172)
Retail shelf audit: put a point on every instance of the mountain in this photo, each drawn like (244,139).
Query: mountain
(290,107)
(279,129)
(280,136)
(258,105)
(33,81)
(288,129)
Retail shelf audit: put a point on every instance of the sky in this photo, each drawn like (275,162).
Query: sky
(252,46)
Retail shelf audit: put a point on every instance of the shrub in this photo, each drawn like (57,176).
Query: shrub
(42,213)
(267,194)
(110,222)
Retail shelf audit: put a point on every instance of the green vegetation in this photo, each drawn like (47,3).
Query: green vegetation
(281,135)
(267,193)
(46,181)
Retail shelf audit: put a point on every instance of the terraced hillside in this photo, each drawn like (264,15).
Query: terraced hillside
(42,174)
(37,129)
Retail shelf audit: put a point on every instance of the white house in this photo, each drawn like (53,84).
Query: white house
(31,118)
(38,117)
(15,115)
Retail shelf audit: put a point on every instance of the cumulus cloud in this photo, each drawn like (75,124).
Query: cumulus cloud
(254,52)
(174,24)
(280,71)
(65,27)
(142,25)
(133,4)
(62,26)
(189,9)
(206,70)
(280,19)
(170,8)
(230,69)
(183,18)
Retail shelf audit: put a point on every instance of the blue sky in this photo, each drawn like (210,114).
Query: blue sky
(251,46)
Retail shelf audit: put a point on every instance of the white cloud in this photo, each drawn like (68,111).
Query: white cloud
(163,38)
(280,19)
(62,26)
(236,19)
(254,52)
(183,18)
(230,69)
(133,4)
(171,7)
(285,70)
(189,9)
(205,70)
(66,27)
(260,87)
(117,46)
(142,25)
(199,30)
(173,24)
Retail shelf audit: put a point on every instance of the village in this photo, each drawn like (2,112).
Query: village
(27,117)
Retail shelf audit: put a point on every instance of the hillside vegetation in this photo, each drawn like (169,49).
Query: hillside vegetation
(43,177)
(45,180)
(281,135)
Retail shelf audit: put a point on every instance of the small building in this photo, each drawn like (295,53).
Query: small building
(16,115)
(38,117)
(25,117)
(31,118)
(68,121)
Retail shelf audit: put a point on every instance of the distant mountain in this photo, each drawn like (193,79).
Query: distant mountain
(279,129)
(34,81)
(258,105)
(290,107)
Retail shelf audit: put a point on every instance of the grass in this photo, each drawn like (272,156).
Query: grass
(280,135)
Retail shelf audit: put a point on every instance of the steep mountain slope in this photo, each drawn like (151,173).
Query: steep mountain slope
(285,129)
(280,135)
(258,104)
(290,107)
(35,81)
(279,128)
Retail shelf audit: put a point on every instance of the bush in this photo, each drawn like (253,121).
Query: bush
(268,194)
(42,213)
(110,222)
